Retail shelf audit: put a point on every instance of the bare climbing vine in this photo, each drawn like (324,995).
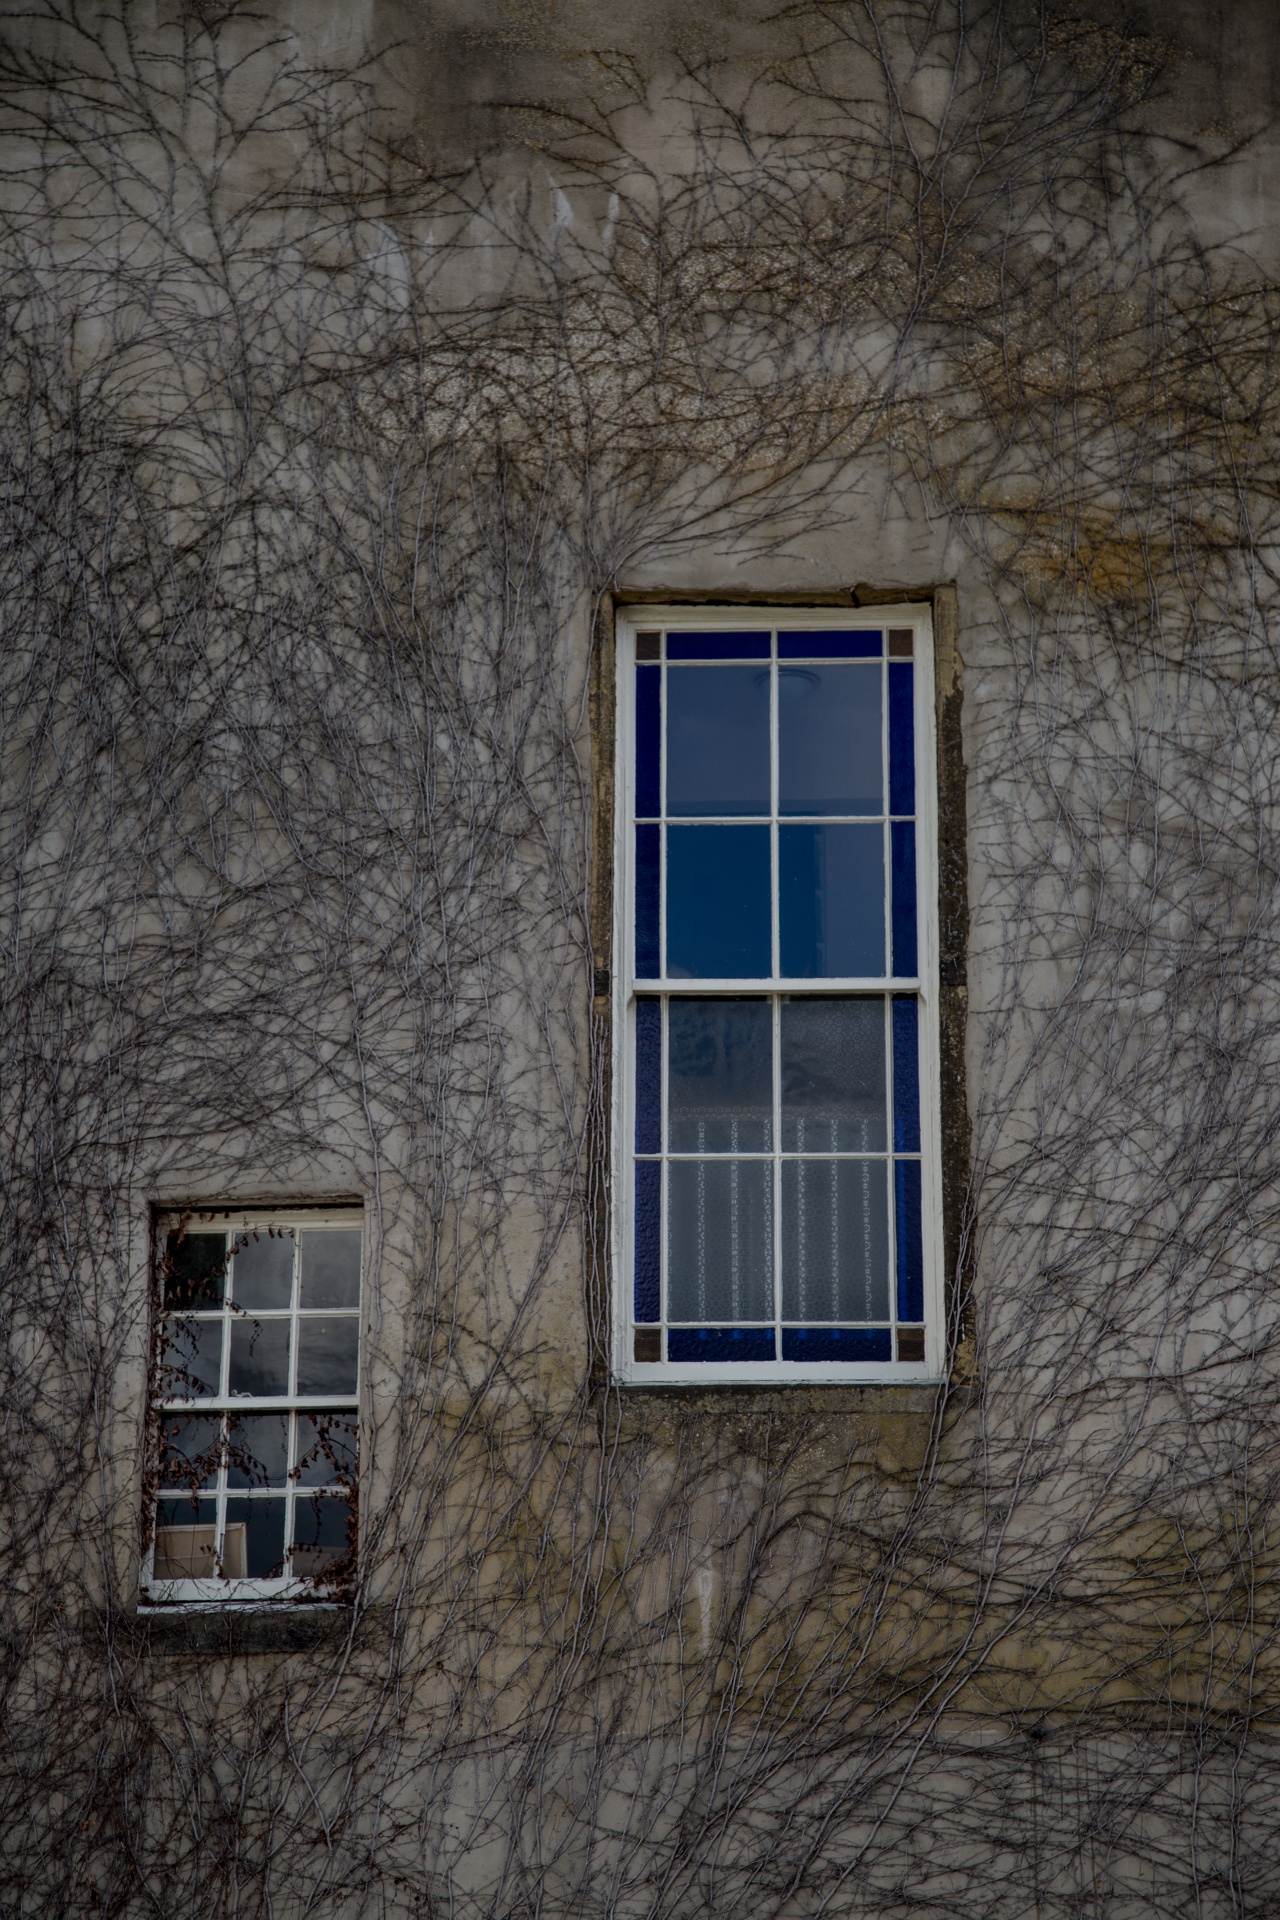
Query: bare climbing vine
(320,467)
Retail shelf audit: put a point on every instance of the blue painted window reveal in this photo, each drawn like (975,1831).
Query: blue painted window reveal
(648,1076)
(648,1241)
(718,646)
(902,738)
(648,901)
(778,1192)
(825,645)
(906,1073)
(648,742)
(721,1343)
(903,840)
(910,1241)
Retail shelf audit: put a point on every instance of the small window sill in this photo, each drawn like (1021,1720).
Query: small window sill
(237,1629)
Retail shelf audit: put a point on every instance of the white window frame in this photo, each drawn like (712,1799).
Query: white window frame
(627,1370)
(199,1593)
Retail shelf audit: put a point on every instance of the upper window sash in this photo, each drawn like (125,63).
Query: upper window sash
(772,793)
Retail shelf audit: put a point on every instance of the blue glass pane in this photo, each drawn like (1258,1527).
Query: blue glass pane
(906,1074)
(718,902)
(717,646)
(833,1092)
(720,1076)
(648,1076)
(830,646)
(831,901)
(719,1239)
(717,741)
(910,1240)
(836,1343)
(648,894)
(829,740)
(903,841)
(648,1274)
(720,1343)
(648,742)
(835,1240)
(902,738)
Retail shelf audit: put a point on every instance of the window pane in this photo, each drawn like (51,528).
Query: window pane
(648,1076)
(829,746)
(848,1344)
(718,646)
(833,1082)
(831,886)
(648,1287)
(720,1075)
(263,1272)
(194,1267)
(253,1541)
(906,1073)
(718,902)
(720,1343)
(259,1357)
(257,1449)
(720,1251)
(846,645)
(330,1274)
(648,742)
(327,1351)
(835,1240)
(186,1534)
(902,734)
(717,740)
(321,1535)
(903,836)
(910,1240)
(191,1443)
(648,894)
(191,1359)
(326,1449)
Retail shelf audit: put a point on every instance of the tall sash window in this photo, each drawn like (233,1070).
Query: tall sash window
(776,1114)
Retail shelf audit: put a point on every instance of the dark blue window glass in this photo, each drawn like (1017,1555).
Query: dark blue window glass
(720,1343)
(906,1174)
(648,742)
(717,741)
(836,1343)
(717,646)
(718,903)
(906,1074)
(648,1076)
(648,880)
(903,840)
(830,646)
(648,1241)
(831,901)
(902,738)
(829,740)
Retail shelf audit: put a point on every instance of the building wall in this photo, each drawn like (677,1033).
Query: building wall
(346,399)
